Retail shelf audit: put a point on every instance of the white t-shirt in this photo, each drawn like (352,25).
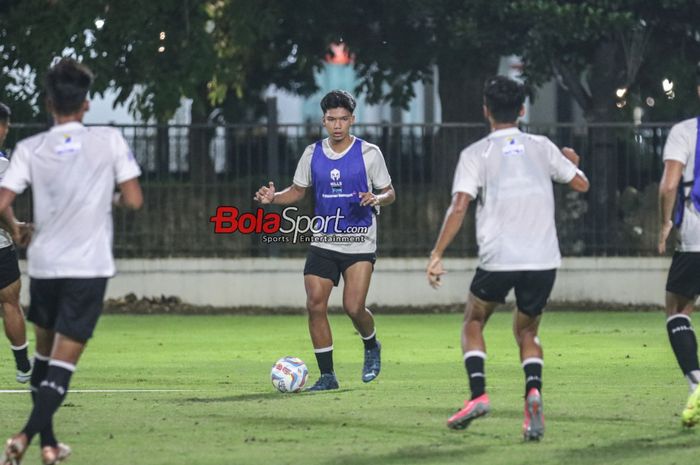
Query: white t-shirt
(377,178)
(5,236)
(510,173)
(680,146)
(73,171)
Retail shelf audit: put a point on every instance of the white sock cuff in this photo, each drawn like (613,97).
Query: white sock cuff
(23,346)
(678,315)
(475,353)
(61,364)
(43,358)
(374,333)
(530,360)
(323,349)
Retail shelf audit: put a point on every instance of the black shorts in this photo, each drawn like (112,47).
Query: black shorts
(684,274)
(9,266)
(330,264)
(70,306)
(532,288)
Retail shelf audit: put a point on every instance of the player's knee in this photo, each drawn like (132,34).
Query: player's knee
(316,307)
(354,311)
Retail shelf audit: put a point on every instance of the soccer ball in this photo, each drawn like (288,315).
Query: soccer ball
(289,374)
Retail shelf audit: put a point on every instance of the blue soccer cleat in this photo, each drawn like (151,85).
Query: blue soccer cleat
(326,382)
(373,363)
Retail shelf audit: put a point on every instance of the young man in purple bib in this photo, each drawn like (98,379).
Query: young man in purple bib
(343,172)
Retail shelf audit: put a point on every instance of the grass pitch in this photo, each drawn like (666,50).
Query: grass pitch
(612,394)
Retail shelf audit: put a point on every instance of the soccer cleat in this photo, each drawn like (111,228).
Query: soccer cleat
(472,410)
(326,382)
(373,363)
(23,376)
(533,426)
(55,455)
(14,450)
(691,413)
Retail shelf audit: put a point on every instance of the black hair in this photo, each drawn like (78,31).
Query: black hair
(697,74)
(67,86)
(5,113)
(504,97)
(338,99)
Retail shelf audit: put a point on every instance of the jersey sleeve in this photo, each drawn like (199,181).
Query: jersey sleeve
(125,165)
(377,171)
(562,170)
(466,177)
(677,145)
(18,175)
(302,175)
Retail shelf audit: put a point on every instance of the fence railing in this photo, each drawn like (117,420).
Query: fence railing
(190,170)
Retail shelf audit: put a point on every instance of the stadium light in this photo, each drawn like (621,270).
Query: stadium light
(99,23)
(162,35)
(161,49)
(650,101)
(621,92)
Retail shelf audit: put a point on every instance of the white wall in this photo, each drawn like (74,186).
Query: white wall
(279,282)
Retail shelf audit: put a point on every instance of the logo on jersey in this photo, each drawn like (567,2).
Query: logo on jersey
(336,183)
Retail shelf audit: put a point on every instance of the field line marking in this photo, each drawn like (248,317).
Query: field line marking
(110,391)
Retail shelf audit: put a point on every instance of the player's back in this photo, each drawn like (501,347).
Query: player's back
(73,173)
(515,213)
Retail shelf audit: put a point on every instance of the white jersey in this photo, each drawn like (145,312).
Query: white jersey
(680,146)
(510,173)
(5,236)
(73,171)
(377,178)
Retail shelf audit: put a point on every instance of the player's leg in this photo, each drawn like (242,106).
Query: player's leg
(532,290)
(357,277)
(15,329)
(682,287)
(321,273)
(487,291)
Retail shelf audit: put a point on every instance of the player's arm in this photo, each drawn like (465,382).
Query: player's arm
(673,171)
(21,232)
(386,196)
(579,183)
(454,217)
(268,195)
(129,195)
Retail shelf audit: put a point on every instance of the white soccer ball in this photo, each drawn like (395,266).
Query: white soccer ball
(289,374)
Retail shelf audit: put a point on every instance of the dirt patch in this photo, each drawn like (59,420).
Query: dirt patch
(164,305)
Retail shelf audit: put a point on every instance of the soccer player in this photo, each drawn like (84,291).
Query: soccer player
(680,184)
(10,283)
(343,171)
(73,171)
(510,175)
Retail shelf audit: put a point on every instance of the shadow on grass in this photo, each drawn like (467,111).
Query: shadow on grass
(429,454)
(259,396)
(633,449)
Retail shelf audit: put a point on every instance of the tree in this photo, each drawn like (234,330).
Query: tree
(594,48)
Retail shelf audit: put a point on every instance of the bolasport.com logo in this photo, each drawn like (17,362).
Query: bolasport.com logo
(286,227)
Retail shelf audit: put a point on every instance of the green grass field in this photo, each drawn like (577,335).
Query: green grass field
(612,394)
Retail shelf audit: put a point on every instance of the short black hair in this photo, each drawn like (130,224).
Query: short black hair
(504,97)
(5,113)
(67,86)
(338,99)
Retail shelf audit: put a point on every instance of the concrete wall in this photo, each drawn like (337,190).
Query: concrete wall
(396,282)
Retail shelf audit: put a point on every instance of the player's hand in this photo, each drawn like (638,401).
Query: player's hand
(22,234)
(368,199)
(435,271)
(265,195)
(571,155)
(663,236)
